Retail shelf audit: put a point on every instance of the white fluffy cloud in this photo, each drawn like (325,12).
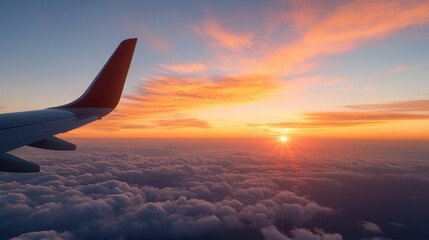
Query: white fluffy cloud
(111,194)
(192,190)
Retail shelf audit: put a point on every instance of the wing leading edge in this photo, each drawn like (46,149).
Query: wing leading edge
(37,128)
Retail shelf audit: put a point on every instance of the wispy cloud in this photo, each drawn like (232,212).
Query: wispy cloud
(184,68)
(345,28)
(116,123)
(369,114)
(170,94)
(363,116)
(398,69)
(182,123)
(317,80)
(218,36)
(359,89)
(413,105)
(344,119)
(171,123)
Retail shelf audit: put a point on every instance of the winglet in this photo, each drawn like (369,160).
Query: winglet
(106,89)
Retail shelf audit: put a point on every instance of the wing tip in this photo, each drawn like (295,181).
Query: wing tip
(130,39)
(106,89)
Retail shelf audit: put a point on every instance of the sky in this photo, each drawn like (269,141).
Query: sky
(227,69)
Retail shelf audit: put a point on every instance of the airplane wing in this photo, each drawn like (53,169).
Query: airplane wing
(37,128)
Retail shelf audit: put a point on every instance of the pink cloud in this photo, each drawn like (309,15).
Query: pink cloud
(400,106)
(218,36)
(339,30)
(184,68)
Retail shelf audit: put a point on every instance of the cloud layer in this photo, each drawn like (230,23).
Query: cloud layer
(110,195)
(217,189)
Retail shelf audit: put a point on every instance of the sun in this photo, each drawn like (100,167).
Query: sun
(283,139)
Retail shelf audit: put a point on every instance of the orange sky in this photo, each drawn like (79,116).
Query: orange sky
(344,69)
(243,103)
(248,98)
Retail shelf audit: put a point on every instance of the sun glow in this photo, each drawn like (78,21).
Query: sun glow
(283,139)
